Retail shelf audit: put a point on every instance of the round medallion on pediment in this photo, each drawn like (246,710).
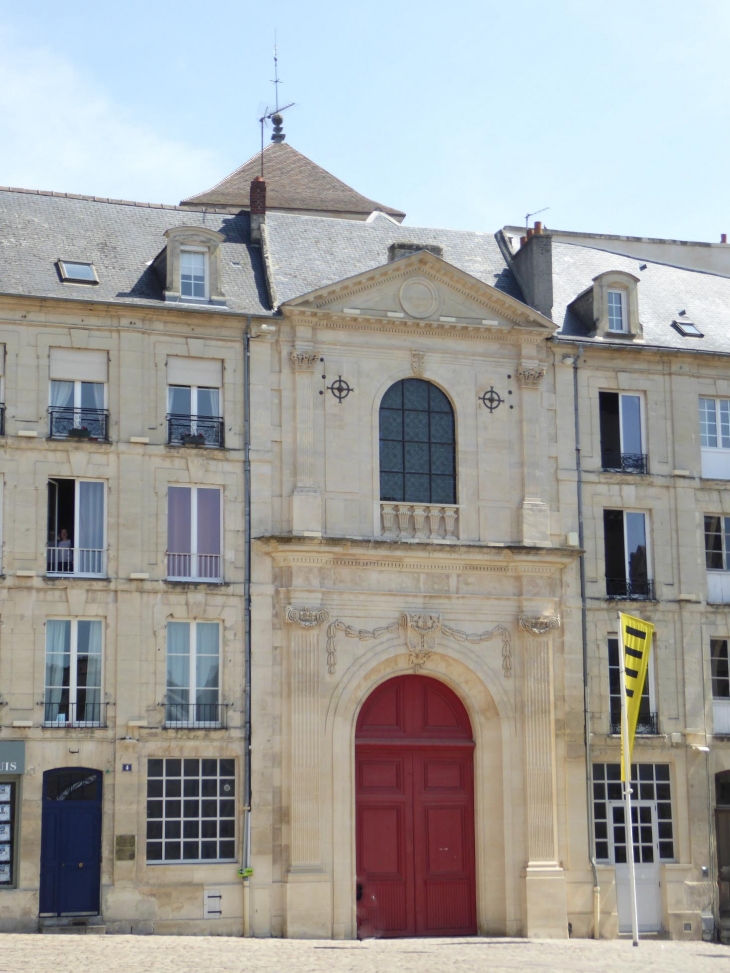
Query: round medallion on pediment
(418,297)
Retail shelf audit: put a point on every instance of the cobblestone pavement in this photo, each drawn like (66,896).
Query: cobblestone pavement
(185,954)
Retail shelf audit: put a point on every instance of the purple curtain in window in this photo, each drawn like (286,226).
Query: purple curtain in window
(209,521)
(178,520)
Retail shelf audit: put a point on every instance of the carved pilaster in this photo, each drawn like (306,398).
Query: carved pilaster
(307,507)
(542,847)
(305,852)
(535,513)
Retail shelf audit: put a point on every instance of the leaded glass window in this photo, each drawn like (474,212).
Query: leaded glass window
(417,444)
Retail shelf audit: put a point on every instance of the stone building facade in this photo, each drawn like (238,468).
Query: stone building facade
(457,457)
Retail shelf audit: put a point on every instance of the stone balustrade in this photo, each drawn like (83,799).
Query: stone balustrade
(425,520)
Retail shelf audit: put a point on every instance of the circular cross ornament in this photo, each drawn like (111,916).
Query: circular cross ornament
(418,297)
(340,388)
(491,399)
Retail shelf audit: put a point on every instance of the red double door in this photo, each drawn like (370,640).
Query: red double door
(415,812)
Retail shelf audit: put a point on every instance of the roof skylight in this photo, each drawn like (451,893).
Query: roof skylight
(688,329)
(77,272)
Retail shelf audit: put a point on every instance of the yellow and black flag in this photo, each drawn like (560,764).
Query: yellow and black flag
(636,638)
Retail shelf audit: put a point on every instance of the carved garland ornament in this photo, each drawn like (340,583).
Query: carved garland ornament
(303,361)
(422,629)
(539,624)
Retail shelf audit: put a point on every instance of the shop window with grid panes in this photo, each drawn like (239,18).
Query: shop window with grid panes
(651,813)
(191,810)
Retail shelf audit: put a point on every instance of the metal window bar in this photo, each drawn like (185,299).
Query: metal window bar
(625,462)
(193,567)
(194,715)
(183,430)
(68,423)
(639,589)
(59,715)
(647,725)
(80,562)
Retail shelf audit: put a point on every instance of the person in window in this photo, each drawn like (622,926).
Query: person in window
(65,556)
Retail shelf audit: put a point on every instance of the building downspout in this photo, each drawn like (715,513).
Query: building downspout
(246,870)
(584,639)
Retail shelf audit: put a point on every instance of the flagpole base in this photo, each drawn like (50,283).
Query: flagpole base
(546,901)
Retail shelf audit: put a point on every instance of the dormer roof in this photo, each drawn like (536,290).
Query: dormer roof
(294,184)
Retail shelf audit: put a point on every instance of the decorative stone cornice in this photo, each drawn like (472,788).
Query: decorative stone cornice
(538,624)
(303,361)
(529,376)
(307,617)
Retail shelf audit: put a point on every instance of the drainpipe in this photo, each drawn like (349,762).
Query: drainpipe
(246,870)
(584,638)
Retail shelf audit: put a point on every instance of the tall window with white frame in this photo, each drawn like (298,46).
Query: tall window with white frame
(717,558)
(720,686)
(622,434)
(194,528)
(715,438)
(617,311)
(648,720)
(193,274)
(191,810)
(76,528)
(193,674)
(73,673)
(77,404)
(626,537)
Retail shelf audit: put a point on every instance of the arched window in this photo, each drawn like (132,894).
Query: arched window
(417,444)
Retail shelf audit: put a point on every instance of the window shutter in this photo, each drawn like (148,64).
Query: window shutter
(195,371)
(178,520)
(209,521)
(79,365)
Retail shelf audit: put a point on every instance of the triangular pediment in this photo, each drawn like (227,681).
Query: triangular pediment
(421,288)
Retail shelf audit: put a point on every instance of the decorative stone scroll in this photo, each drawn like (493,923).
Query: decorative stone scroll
(529,376)
(422,630)
(418,363)
(539,624)
(307,617)
(303,361)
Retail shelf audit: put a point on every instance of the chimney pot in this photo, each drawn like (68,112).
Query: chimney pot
(530,233)
(723,238)
(523,241)
(538,227)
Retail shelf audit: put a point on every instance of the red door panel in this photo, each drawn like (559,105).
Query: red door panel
(415,812)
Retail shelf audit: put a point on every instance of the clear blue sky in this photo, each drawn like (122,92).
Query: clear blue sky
(464,113)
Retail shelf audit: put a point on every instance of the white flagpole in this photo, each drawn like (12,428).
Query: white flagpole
(627,786)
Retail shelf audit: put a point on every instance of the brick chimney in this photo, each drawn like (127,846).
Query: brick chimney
(532,265)
(257,208)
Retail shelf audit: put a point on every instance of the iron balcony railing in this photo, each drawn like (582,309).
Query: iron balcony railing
(194,715)
(185,430)
(625,462)
(648,725)
(78,423)
(632,590)
(78,562)
(59,715)
(193,567)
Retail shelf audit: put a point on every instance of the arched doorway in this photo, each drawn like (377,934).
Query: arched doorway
(414,812)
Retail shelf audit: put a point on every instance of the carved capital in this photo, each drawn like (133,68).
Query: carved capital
(307,617)
(303,361)
(418,363)
(539,624)
(529,376)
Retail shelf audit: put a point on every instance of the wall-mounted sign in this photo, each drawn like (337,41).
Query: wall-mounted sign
(12,757)
(126,766)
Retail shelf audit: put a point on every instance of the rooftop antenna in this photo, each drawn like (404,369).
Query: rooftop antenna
(275,115)
(536,213)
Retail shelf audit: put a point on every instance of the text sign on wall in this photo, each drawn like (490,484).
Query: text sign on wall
(12,757)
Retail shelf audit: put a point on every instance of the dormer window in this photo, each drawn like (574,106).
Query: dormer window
(193,276)
(616,311)
(190,265)
(75,272)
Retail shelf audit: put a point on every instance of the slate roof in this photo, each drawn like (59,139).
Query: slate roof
(293,182)
(662,291)
(121,238)
(308,252)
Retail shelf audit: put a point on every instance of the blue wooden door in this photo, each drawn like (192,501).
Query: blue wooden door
(71,842)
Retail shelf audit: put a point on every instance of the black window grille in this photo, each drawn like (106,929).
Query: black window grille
(417,444)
